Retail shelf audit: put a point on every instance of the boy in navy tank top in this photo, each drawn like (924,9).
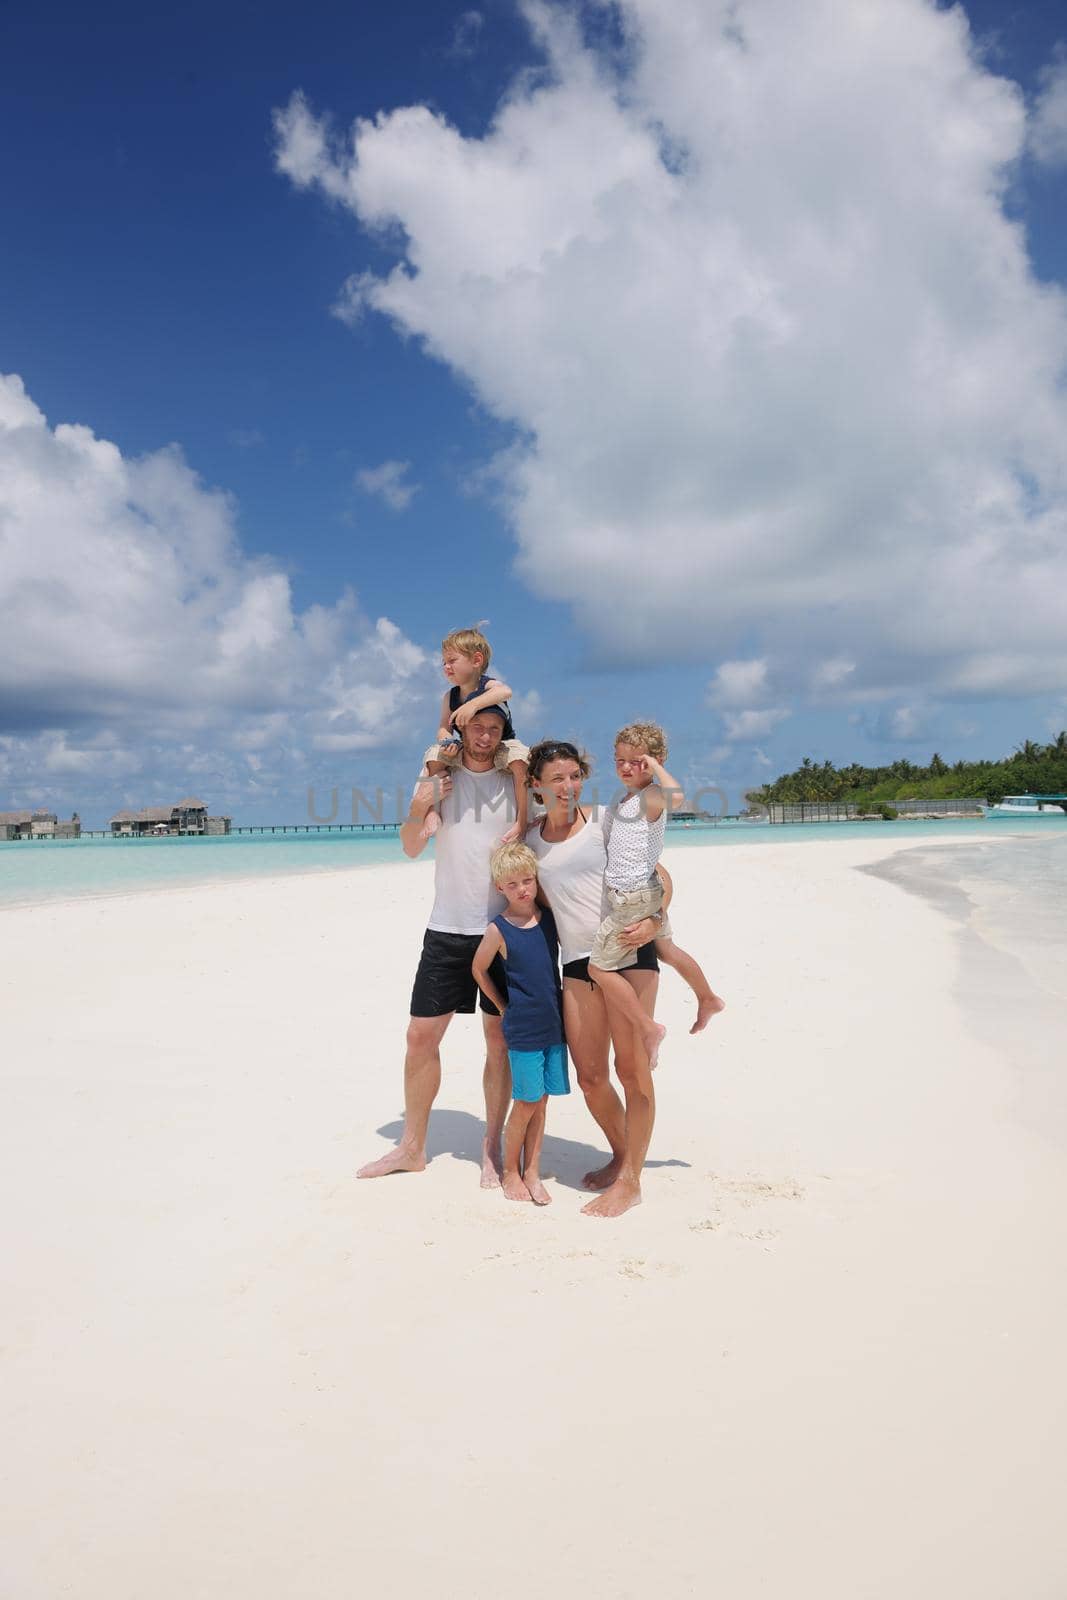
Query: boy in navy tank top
(524,936)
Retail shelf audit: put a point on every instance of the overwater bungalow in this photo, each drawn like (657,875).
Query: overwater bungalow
(37,825)
(188,816)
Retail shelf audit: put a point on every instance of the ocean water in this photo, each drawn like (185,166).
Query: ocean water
(35,871)
(1008,901)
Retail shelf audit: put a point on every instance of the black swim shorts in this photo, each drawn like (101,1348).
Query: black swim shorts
(444,981)
(647,961)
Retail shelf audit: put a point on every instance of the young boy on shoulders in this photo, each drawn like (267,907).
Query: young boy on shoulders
(524,935)
(635,829)
(464,659)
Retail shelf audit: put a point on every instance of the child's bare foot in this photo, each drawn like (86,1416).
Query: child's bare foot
(514,1187)
(708,1006)
(652,1038)
(622,1196)
(430,826)
(537,1191)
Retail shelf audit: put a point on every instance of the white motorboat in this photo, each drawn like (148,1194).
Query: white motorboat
(1030,805)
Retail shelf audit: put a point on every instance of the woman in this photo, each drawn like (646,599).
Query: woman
(569,844)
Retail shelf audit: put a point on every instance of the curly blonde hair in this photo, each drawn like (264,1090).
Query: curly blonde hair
(646,736)
(510,859)
(468,642)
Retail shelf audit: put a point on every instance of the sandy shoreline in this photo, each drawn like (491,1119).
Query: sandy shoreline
(822,1359)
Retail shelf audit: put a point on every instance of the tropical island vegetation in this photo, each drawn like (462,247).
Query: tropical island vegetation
(1030,769)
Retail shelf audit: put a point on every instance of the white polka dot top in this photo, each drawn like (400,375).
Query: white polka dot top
(634,843)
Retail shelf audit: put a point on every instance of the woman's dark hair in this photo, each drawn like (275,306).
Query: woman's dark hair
(554,750)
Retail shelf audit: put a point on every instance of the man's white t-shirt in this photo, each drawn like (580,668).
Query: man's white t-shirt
(473,817)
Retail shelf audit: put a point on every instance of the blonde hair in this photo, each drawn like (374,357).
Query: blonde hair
(468,642)
(508,859)
(646,736)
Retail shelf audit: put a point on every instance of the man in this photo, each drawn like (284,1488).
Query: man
(474,798)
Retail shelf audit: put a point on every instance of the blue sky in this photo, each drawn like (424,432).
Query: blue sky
(170,263)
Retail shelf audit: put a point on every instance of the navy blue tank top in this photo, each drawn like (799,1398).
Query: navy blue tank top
(457,698)
(534,1015)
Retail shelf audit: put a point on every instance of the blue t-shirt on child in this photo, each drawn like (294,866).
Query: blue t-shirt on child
(533,1019)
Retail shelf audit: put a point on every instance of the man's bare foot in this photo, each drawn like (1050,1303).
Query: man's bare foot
(622,1196)
(537,1191)
(653,1037)
(708,1006)
(603,1177)
(514,1187)
(490,1169)
(430,826)
(398,1160)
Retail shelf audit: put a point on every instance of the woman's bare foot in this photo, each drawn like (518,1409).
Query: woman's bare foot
(603,1177)
(708,1005)
(537,1191)
(514,1187)
(398,1160)
(622,1196)
(652,1037)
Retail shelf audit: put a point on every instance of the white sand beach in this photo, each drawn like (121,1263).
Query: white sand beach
(823,1359)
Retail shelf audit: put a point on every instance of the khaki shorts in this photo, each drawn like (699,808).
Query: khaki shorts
(507,751)
(626,906)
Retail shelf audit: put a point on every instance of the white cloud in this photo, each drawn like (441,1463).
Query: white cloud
(388,483)
(752,724)
(738,683)
(466,35)
(1048,126)
(829,675)
(527,709)
(139,640)
(772,347)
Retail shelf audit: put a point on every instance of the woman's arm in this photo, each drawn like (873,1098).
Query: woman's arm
(492,945)
(639,933)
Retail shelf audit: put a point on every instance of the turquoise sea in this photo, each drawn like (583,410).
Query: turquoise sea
(35,871)
(1008,903)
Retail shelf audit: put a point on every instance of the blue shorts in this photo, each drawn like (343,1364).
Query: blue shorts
(535,1073)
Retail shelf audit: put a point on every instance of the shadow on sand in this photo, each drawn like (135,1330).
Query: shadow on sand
(459,1134)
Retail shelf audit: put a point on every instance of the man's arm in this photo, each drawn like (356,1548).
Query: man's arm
(494,692)
(492,944)
(427,793)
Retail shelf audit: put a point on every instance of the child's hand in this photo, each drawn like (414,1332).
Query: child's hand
(461,716)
